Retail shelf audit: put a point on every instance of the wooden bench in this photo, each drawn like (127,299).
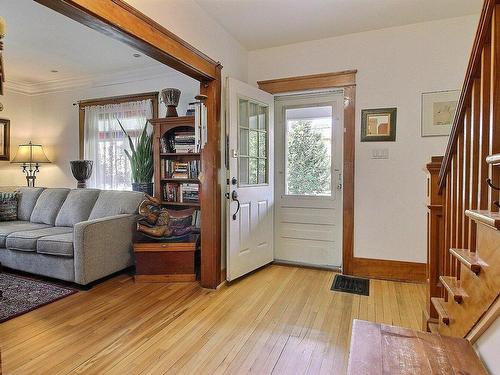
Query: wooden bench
(378,349)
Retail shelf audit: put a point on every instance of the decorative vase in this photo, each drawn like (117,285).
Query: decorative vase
(82,170)
(170,97)
(143,187)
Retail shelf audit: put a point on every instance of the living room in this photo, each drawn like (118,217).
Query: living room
(241,278)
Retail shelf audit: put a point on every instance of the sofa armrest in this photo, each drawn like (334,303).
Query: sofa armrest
(103,246)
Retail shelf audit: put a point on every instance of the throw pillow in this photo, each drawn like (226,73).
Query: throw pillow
(8,206)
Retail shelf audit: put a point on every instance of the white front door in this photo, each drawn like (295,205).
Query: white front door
(309,139)
(250,190)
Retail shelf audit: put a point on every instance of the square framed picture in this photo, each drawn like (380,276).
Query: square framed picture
(4,139)
(378,125)
(438,112)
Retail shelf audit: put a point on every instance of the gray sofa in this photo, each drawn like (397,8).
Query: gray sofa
(78,235)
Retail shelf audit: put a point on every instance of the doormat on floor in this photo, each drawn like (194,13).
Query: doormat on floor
(353,285)
(20,295)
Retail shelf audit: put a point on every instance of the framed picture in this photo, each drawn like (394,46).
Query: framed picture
(378,125)
(4,139)
(438,112)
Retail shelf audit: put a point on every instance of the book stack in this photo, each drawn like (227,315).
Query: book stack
(184,142)
(181,193)
(177,169)
(189,193)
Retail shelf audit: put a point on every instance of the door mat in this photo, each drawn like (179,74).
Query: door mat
(354,285)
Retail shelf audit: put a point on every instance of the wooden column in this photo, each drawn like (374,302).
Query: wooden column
(435,237)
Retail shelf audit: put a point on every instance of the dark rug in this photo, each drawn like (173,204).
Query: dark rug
(353,285)
(21,295)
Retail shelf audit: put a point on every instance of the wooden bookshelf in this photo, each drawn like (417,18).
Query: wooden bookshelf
(162,128)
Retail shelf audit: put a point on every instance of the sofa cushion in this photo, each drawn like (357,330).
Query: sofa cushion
(76,207)
(9,227)
(26,240)
(48,205)
(57,244)
(27,200)
(113,202)
(8,206)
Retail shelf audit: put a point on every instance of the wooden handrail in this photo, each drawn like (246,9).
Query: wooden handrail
(474,67)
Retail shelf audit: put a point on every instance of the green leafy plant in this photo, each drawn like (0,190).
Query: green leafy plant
(140,155)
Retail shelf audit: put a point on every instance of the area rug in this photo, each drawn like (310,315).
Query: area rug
(21,295)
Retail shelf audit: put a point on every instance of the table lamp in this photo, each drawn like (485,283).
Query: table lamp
(30,156)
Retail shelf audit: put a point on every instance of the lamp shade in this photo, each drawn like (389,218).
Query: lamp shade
(30,153)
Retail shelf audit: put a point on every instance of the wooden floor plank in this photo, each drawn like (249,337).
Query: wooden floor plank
(278,320)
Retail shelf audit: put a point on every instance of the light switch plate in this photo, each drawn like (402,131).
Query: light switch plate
(380,153)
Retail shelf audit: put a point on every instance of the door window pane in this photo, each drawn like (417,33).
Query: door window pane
(253,142)
(309,151)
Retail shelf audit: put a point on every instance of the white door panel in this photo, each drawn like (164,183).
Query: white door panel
(309,224)
(250,193)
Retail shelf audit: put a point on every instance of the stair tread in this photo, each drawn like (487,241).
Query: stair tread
(469,258)
(438,305)
(434,327)
(486,217)
(453,286)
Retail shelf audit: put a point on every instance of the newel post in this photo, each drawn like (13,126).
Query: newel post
(435,237)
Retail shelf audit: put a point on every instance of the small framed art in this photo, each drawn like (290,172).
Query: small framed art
(438,112)
(378,125)
(4,139)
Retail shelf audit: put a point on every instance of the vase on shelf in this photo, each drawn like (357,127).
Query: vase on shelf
(81,170)
(170,97)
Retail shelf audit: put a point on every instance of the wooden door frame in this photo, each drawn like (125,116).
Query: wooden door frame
(345,80)
(123,22)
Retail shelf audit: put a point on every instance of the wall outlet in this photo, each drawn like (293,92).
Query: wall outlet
(380,153)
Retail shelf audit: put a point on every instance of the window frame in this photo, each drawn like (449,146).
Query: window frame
(153,96)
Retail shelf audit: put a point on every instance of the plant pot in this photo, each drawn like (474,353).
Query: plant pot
(143,187)
(81,170)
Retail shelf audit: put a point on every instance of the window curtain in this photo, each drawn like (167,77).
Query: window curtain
(105,142)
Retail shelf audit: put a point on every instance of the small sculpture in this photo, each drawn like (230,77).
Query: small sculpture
(82,170)
(154,220)
(170,97)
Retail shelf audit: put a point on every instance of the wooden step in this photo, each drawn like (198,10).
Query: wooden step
(493,159)
(469,259)
(485,217)
(438,305)
(453,287)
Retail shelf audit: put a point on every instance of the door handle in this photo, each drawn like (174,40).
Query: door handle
(234,197)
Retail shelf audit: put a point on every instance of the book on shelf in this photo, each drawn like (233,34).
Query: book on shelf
(178,169)
(196,223)
(181,193)
(180,142)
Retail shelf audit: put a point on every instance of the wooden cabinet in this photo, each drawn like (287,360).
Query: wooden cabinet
(166,261)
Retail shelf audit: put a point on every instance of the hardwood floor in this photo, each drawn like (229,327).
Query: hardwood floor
(282,320)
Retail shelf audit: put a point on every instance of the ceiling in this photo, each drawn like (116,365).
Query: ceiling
(40,40)
(267,23)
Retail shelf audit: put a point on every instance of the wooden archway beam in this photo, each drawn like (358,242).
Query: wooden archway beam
(123,22)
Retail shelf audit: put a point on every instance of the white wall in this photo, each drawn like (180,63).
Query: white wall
(52,120)
(487,347)
(394,66)
(17,109)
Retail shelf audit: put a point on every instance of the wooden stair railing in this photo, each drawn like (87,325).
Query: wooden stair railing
(463,247)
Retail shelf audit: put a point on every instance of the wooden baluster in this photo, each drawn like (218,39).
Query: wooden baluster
(466,179)
(448,227)
(459,197)
(484,135)
(494,141)
(474,159)
(453,218)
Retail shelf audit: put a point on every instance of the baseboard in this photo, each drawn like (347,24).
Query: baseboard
(306,265)
(389,269)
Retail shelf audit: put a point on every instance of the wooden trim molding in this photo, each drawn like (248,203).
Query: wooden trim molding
(153,96)
(309,82)
(122,22)
(389,269)
(347,81)
(489,317)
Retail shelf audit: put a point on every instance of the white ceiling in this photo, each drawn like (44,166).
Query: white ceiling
(268,23)
(39,40)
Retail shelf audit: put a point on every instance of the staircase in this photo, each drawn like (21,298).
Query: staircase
(463,266)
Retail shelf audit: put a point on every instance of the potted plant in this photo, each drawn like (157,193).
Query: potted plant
(141,160)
